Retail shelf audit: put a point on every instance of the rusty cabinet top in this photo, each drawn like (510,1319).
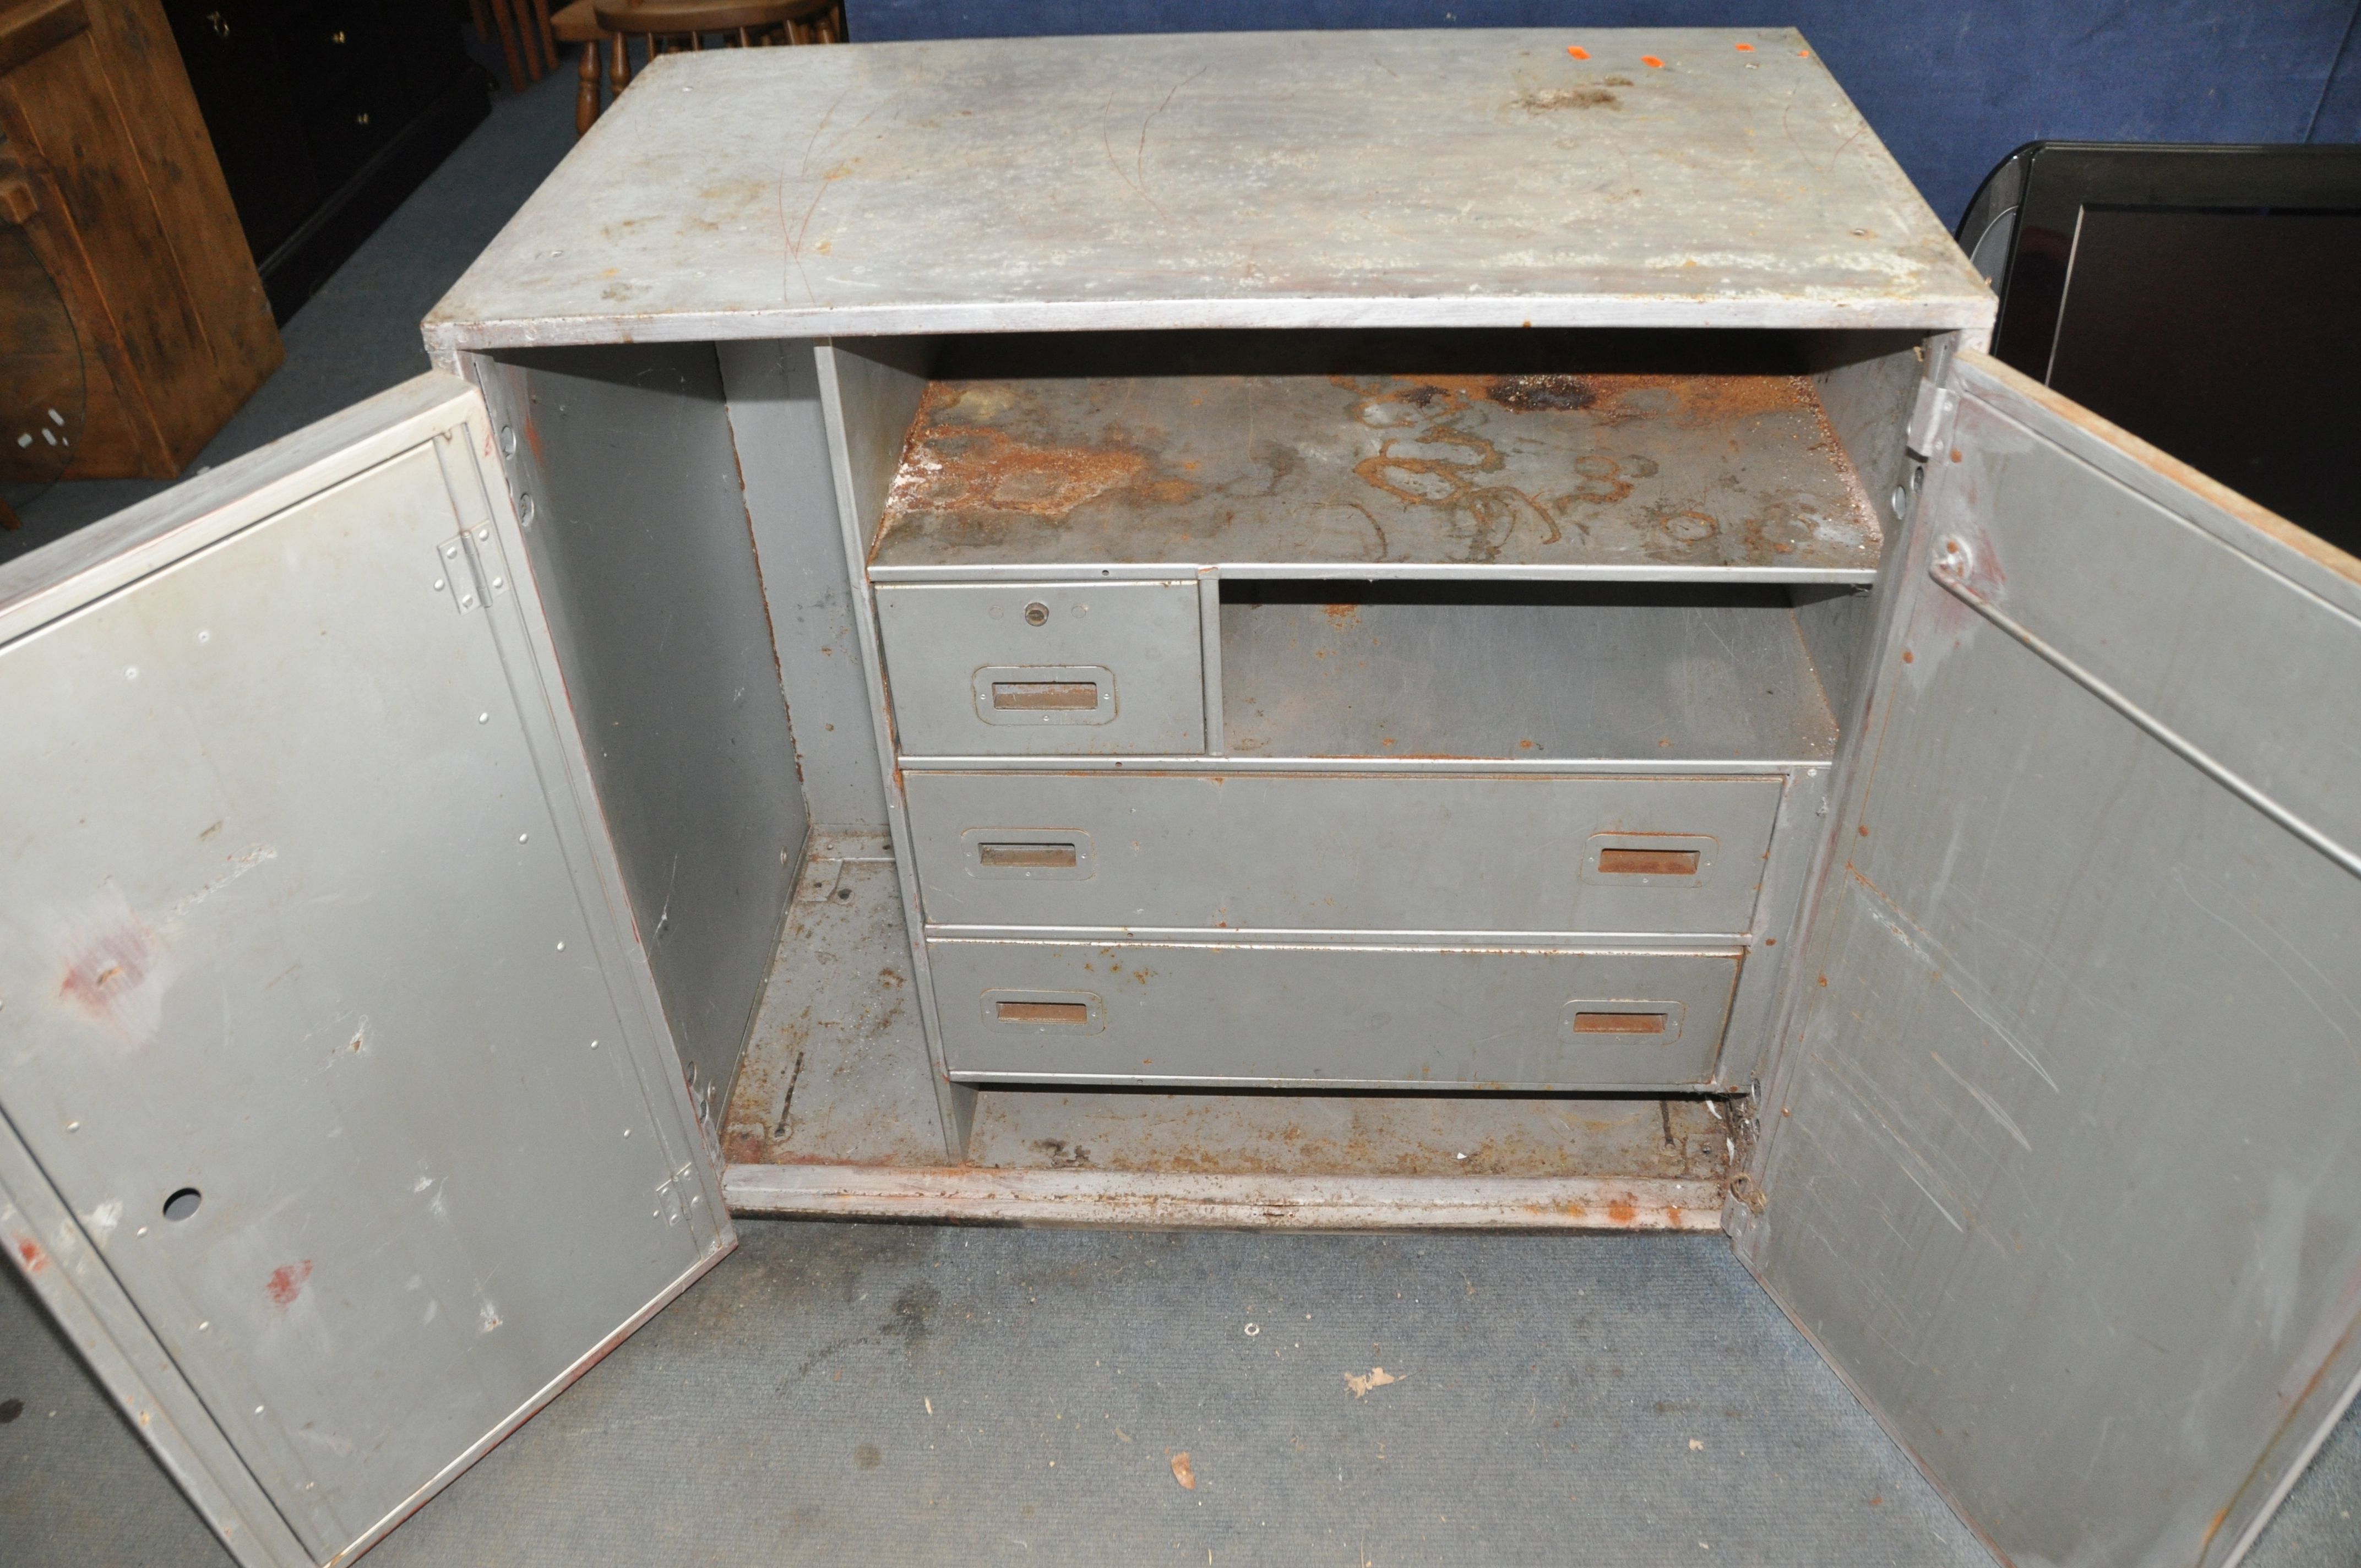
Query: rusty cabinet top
(1706,177)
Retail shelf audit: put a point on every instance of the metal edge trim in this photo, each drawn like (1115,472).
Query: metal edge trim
(1722,943)
(1174,1201)
(1487,943)
(2302,1461)
(1370,571)
(1195,763)
(1699,1088)
(1971,312)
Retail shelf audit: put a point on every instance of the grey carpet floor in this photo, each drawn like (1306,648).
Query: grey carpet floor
(882,1394)
(839,1393)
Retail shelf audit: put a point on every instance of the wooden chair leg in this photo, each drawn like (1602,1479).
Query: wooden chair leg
(586,90)
(619,66)
(548,37)
(528,40)
(509,46)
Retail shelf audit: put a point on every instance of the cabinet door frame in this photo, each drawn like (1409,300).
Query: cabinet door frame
(53,1248)
(1945,562)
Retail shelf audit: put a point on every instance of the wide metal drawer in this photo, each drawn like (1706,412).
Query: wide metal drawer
(1027,669)
(1432,1016)
(1341,852)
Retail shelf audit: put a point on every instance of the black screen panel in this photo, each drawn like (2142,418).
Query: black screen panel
(2207,299)
(2229,339)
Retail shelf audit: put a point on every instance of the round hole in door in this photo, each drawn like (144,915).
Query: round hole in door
(183,1203)
(1036,614)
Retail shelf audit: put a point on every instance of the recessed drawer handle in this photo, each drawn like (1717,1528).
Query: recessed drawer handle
(1030,857)
(1072,1013)
(1620,1023)
(1038,696)
(1045,693)
(1005,853)
(1632,1019)
(1037,1013)
(1648,862)
(1635,861)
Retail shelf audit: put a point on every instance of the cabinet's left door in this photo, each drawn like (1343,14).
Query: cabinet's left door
(342,1128)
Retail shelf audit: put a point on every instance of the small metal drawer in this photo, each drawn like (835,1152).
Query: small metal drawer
(1297,852)
(1240,1014)
(999,669)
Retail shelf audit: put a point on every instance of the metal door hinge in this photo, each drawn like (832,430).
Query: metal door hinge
(470,568)
(1929,429)
(678,1194)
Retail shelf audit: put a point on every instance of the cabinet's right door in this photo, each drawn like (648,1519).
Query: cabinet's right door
(2061,1154)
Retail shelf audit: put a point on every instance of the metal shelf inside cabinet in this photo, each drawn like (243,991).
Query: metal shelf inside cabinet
(1526,673)
(1638,476)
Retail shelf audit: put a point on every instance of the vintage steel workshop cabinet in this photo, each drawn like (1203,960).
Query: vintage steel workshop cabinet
(950,607)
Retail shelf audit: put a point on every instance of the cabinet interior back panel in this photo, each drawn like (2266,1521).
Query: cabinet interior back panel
(1649,475)
(1619,672)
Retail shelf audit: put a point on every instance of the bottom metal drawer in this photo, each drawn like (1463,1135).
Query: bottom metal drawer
(1172,1012)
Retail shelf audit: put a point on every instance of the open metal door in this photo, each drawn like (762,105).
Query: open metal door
(2060,1162)
(339,1124)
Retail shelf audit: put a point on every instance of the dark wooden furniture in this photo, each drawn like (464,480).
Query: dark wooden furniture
(132,323)
(325,114)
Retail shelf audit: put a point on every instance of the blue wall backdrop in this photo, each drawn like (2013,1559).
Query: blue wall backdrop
(1951,87)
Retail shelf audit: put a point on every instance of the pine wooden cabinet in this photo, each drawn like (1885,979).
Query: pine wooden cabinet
(137,320)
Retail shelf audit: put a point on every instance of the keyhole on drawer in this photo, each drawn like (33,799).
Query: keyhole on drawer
(1036,614)
(183,1203)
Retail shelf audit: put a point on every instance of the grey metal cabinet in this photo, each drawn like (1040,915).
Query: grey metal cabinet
(1254,624)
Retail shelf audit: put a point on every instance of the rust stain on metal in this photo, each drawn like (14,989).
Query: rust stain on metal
(954,461)
(286,1283)
(963,468)
(30,1250)
(106,968)
(1668,468)
(1213,1135)
(1526,394)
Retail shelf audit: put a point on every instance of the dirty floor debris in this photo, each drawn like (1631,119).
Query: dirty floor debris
(779,1413)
